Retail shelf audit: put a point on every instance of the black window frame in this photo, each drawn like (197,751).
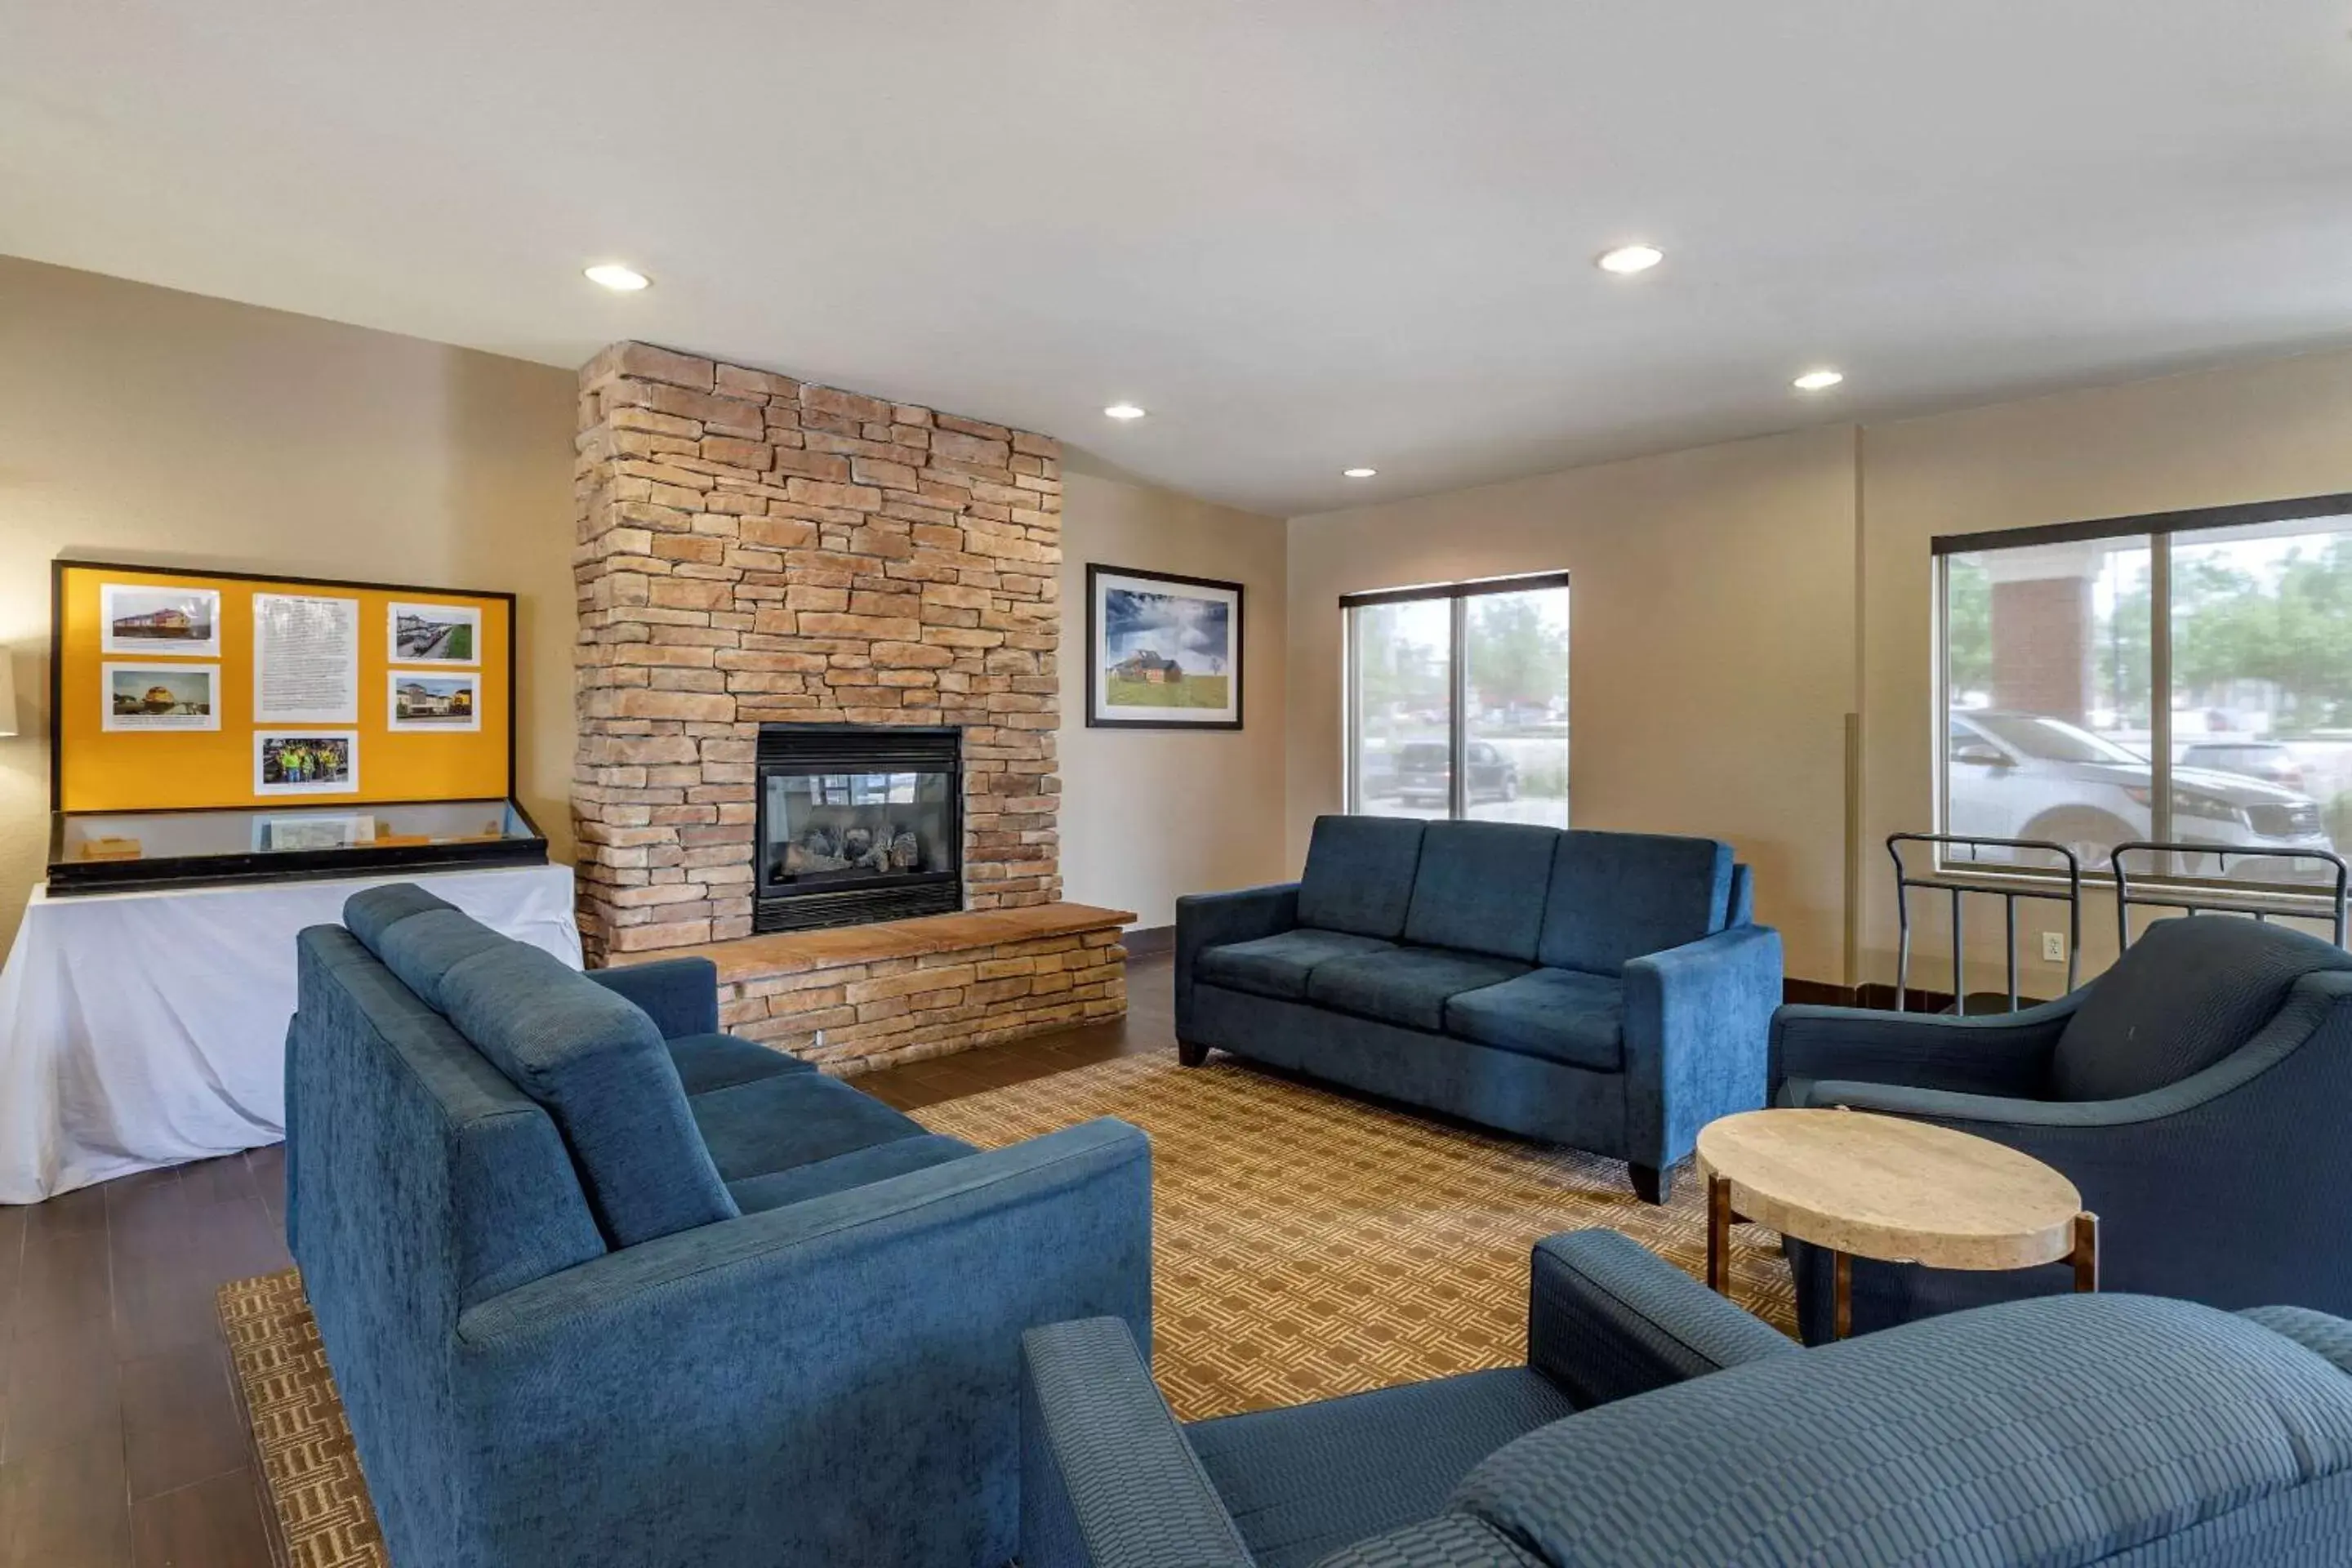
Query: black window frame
(2157,529)
(1457,720)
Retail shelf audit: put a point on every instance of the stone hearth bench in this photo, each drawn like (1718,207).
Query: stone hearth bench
(854,998)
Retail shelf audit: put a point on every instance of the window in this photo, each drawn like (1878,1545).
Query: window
(1457,700)
(2185,678)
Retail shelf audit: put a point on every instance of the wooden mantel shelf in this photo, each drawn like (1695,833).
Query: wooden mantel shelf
(802,952)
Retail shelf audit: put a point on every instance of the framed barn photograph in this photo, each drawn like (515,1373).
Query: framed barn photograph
(1163,652)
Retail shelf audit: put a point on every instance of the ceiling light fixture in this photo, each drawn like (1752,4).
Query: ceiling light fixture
(1628,259)
(620,279)
(1818,380)
(1124,411)
(1357,473)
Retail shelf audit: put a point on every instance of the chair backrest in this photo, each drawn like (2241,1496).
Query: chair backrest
(1481,886)
(1358,876)
(2070,1428)
(1615,897)
(588,1057)
(2186,994)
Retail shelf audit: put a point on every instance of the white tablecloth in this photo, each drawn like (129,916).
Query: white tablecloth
(144,1029)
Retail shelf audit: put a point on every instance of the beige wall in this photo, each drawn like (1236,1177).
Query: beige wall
(1150,814)
(1711,648)
(2254,432)
(141,423)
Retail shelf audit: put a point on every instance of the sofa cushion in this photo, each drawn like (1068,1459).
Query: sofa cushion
(1560,1015)
(1278,965)
(1618,896)
(367,912)
(602,1071)
(1408,985)
(1304,1481)
(2187,994)
(1481,888)
(705,1062)
(1358,876)
(2067,1429)
(781,1123)
(424,947)
(875,1162)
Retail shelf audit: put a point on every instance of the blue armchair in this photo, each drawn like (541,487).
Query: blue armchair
(1654,1425)
(1609,991)
(599,1284)
(2197,1093)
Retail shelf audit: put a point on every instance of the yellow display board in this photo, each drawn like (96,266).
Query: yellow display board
(158,708)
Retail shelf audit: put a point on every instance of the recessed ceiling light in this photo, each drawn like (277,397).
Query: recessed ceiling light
(1630,258)
(1124,411)
(619,278)
(1818,380)
(1357,473)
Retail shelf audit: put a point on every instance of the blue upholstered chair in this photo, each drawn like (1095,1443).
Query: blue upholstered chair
(1609,991)
(2199,1093)
(1657,1427)
(601,1285)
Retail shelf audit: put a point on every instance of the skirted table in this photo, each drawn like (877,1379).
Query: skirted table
(149,1028)
(1884,1188)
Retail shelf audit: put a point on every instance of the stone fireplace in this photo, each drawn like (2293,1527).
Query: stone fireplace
(766,566)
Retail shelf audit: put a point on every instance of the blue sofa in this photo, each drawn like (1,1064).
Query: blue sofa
(2198,1093)
(1609,991)
(601,1285)
(1655,1427)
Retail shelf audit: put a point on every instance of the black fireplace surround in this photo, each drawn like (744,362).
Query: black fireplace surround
(858,823)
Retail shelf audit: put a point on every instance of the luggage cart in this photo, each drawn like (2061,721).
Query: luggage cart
(2262,902)
(2007,893)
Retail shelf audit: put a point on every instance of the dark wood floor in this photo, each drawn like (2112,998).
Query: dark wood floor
(120,1438)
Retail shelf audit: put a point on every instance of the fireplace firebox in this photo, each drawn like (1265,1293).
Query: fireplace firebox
(858,823)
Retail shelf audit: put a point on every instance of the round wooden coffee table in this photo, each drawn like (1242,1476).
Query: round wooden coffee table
(1881,1187)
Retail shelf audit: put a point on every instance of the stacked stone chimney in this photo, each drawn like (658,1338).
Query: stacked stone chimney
(755,549)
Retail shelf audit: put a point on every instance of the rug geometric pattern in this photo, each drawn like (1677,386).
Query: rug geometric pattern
(1306,1244)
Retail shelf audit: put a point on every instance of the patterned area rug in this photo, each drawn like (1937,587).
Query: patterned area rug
(1307,1244)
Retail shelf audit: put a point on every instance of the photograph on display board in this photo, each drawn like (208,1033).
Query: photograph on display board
(138,619)
(420,702)
(434,633)
(160,696)
(298,762)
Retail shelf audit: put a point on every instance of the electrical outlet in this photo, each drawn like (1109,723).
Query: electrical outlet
(2053,947)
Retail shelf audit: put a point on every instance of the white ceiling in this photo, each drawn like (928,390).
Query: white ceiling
(1304,234)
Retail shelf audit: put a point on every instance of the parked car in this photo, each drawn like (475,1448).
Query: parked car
(2026,775)
(1423,775)
(2265,760)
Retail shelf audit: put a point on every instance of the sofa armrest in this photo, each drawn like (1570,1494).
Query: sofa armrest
(1108,1480)
(1697,1023)
(680,994)
(1607,1319)
(1204,920)
(863,1346)
(2003,1054)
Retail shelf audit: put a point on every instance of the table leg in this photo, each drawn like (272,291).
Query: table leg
(1718,1235)
(2086,1252)
(1843,1294)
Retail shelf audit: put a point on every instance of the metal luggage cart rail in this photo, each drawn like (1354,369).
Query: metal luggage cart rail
(2007,893)
(2259,901)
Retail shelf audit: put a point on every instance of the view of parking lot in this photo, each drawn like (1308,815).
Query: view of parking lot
(1512,686)
(2051,654)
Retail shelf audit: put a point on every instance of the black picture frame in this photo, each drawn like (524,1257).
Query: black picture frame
(1097,660)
